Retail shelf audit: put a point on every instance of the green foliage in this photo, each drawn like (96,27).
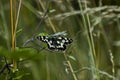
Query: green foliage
(94,27)
(42,34)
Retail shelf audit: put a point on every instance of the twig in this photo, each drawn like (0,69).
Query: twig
(37,27)
(6,66)
(42,18)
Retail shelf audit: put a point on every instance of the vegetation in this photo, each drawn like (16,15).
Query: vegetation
(93,25)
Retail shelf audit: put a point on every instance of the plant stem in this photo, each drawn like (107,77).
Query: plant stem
(13,37)
(70,66)
(49,20)
(92,53)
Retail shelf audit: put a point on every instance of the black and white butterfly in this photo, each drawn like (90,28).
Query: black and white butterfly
(56,43)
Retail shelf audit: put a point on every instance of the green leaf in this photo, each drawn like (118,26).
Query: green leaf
(42,34)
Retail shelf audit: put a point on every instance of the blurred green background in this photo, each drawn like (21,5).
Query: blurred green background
(94,26)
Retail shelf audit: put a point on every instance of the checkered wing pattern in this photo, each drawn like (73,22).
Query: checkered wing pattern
(55,43)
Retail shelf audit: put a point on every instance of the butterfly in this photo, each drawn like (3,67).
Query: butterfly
(56,43)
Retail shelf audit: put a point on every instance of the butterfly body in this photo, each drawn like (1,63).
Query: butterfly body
(56,43)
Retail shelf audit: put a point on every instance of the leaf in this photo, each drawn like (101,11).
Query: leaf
(71,57)
(42,34)
(18,31)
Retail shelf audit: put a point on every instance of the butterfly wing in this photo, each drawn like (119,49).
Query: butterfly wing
(55,43)
(42,38)
(63,33)
(51,43)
